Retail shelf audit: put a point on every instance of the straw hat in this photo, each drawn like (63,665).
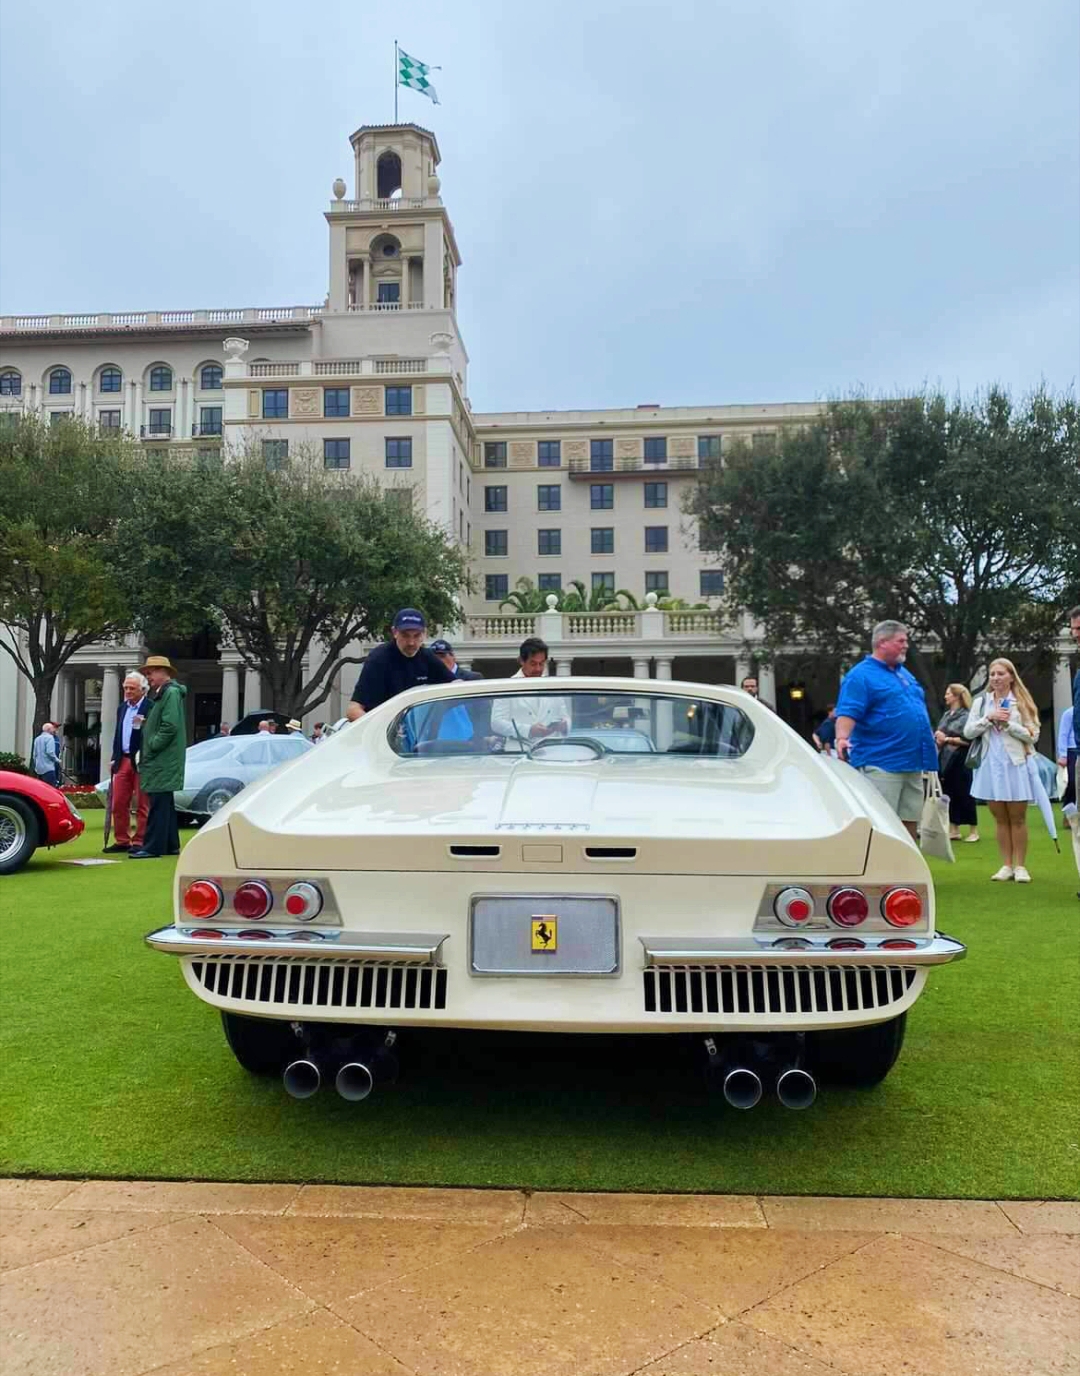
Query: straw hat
(293,725)
(158,662)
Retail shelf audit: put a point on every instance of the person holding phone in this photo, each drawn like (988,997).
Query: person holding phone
(1006,715)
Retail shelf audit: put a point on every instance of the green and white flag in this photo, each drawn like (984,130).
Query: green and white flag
(415,75)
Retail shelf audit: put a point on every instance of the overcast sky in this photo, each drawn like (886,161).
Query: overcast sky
(683,203)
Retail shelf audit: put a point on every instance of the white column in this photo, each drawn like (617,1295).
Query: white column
(181,429)
(56,702)
(565,667)
(230,694)
(641,668)
(663,667)
(767,684)
(110,705)
(369,276)
(136,408)
(1062,689)
(742,670)
(405,283)
(252,690)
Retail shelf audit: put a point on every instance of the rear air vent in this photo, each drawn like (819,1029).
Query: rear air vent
(610,852)
(474,852)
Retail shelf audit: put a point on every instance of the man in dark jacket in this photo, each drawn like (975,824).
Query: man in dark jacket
(402,663)
(124,768)
(161,758)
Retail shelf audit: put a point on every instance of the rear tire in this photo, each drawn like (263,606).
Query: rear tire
(859,1057)
(19,833)
(262,1046)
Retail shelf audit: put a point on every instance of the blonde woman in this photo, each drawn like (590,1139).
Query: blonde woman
(1007,717)
(952,752)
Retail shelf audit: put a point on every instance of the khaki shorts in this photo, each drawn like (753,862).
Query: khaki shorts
(903,792)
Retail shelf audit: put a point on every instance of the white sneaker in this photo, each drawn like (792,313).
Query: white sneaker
(1006,872)
(1021,875)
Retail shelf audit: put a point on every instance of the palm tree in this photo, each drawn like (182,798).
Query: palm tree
(526,597)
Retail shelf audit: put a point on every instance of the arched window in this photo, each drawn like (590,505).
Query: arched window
(10,383)
(110,380)
(388,172)
(210,378)
(59,382)
(161,379)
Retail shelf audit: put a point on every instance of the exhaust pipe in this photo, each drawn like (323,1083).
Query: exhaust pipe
(302,1078)
(354,1081)
(742,1087)
(796,1088)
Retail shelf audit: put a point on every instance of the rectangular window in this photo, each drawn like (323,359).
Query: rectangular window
(549,453)
(275,453)
(712,582)
(548,497)
(160,421)
(495,454)
(209,420)
(601,455)
(656,450)
(708,448)
(335,401)
(275,403)
(656,580)
(399,452)
(335,453)
(602,496)
(399,401)
(389,292)
(495,544)
(549,582)
(603,539)
(110,380)
(605,581)
(656,494)
(496,586)
(109,420)
(549,542)
(656,540)
(495,498)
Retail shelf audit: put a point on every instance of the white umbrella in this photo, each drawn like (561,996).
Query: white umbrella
(1042,800)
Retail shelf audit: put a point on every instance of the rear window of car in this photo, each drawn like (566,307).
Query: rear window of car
(613,723)
(211,750)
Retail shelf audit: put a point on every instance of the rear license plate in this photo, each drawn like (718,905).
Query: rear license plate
(542,935)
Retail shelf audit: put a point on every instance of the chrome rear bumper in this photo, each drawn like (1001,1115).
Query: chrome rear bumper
(924,951)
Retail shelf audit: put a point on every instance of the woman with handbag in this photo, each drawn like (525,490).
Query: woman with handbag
(1004,725)
(952,769)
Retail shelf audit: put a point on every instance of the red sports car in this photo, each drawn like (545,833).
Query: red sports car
(32,814)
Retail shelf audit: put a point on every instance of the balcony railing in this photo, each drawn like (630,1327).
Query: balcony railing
(580,468)
(156,432)
(203,432)
(644,624)
(401,365)
(110,320)
(392,306)
(274,370)
(394,203)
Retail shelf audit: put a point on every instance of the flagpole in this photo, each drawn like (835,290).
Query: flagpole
(396,71)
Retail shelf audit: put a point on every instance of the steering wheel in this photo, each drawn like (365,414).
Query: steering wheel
(589,741)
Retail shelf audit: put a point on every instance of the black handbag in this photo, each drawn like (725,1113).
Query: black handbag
(977,749)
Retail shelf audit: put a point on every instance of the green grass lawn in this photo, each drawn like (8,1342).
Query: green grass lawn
(110,1067)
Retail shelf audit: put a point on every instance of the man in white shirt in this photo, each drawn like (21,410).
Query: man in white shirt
(126,791)
(529,719)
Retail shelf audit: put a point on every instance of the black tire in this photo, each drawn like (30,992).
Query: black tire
(859,1057)
(19,832)
(263,1046)
(215,795)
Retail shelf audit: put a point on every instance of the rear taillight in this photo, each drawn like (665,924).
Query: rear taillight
(203,899)
(793,906)
(208,934)
(303,901)
(256,934)
(847,907)
(897,943)
(252,900)
(847,943)
(901,907)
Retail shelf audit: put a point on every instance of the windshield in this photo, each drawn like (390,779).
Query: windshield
(595,723)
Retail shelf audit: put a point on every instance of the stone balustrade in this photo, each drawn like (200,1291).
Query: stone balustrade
(111,320)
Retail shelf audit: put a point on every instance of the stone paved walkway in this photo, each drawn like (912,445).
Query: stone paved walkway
(198,1279)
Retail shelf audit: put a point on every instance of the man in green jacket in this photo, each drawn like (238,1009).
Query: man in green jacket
(161,758)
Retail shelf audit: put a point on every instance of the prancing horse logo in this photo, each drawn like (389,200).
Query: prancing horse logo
(545,931)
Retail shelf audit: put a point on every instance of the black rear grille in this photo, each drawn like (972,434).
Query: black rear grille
(771,989)
(287,983)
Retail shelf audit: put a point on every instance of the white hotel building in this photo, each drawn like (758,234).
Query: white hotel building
(376,378)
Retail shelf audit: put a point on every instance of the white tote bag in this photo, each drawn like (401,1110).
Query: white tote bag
(934,824)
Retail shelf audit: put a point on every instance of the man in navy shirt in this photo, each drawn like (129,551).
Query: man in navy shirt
(402,663)
(882,726)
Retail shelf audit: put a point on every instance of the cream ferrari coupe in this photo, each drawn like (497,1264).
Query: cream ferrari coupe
(564,855)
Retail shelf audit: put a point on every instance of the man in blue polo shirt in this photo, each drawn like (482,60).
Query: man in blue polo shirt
(882,726)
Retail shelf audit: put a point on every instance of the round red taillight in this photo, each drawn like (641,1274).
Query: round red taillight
(848,907)
(899,944)
(208,934)
(794,906)
(847,943)
(252,900)
(203,899)
(303,901)
(256,934)
(901,907)
(303,936)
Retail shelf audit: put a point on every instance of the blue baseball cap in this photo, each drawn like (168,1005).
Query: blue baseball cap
(409,619)
(441,647)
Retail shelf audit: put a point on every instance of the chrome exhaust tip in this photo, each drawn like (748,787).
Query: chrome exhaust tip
(354,1081)
(302,1078)
(742,1087)
(796,1088)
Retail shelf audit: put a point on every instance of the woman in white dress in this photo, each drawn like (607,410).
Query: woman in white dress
(1009,720)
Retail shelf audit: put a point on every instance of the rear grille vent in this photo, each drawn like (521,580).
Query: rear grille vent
(610,852)
(764,989)
(472,852)
(270,982)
